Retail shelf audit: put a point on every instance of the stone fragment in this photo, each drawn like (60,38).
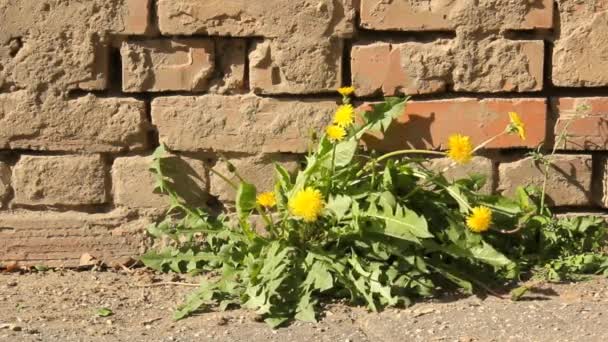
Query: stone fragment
(59,180)
(428,124)
(59,239)
(87,123)
(246,123)
(568,184)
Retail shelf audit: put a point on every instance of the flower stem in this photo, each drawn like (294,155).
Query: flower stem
(224,178)
(402,152)
(333,169)
(483,144)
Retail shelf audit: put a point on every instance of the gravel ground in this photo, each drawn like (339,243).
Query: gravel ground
(61,305)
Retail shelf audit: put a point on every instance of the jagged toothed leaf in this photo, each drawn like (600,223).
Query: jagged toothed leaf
(339,205)
(383,113)
(402,224)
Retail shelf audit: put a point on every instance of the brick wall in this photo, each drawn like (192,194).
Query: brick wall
(88,89)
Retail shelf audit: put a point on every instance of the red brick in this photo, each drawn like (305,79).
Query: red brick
(238,123)
(422,68)
(136,18)
(585,121)
(59,239)
(409,68)
(569,182)
(59,180)
(428,124)
(438,16)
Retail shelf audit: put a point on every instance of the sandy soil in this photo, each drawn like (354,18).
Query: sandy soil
(61,305)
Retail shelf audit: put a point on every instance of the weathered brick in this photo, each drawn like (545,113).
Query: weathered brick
(579,54)
(59,239)
(58,45)
(409,68)
(428,124)
(59,180)
(438,15)
(507,65)
(568,183)
(583,120)
(601,182)
(230,57)
(161,65)
(5,182)
(87,123)
(477,166)
(258,170)
(421,68)
(288,66)
(238,123)
(134,184)
(268,18)
(99,64)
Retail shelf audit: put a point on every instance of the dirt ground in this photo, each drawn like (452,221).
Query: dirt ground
(61,305)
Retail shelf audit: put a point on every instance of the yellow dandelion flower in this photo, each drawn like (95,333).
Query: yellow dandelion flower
(516,125)
(335,133)
(345,116)
(480,219)
(346,91)
(460,148)
(307,204)
(266,199)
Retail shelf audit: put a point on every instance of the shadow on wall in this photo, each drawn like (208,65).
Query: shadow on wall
(413,133)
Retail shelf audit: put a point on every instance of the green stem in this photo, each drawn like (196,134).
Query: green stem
(560,137)
(402,152)
(268,221)
(225,179)
(483,144)
(333,169)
